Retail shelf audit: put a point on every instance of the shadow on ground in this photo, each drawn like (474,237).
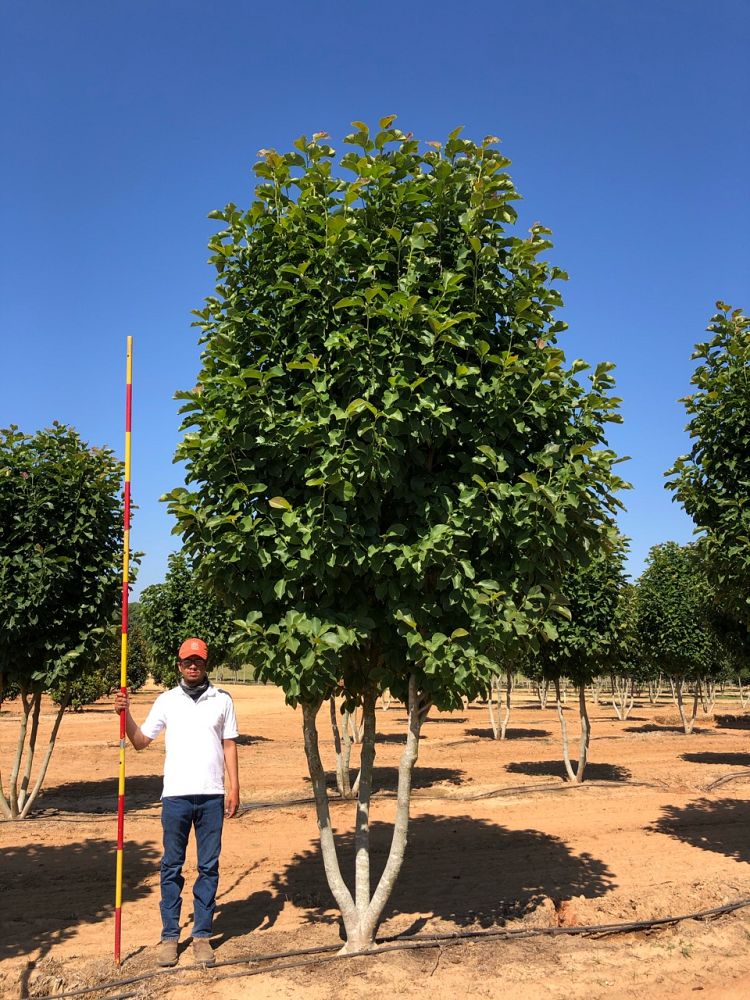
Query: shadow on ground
(464,870)
(385,779)
(48,891)
(652,728)
(142,791)
(732,721)
(711,757)
(556,768)
(718,825)
(512,734)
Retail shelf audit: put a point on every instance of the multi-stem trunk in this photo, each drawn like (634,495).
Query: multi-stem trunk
(623,696)
(362,910)
(500,728)
(743,700)
(21,796)
(679,686)
(542,692)
(574,775)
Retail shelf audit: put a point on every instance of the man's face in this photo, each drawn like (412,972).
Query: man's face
(193,669)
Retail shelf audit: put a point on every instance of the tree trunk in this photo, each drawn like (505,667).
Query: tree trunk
(343,754)
(327,843)
(708,695)
(29,802)
(362,912)
(20,746)
(679,686)
(673,686)
(623,696)
(654,690)
(491,694)
(743,701)
(508,694)
(542,691)
(385,700)
(583,752)
(564,729)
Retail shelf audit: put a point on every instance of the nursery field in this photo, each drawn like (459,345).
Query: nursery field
(498,842)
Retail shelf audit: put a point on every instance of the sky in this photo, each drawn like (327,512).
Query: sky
(125,123)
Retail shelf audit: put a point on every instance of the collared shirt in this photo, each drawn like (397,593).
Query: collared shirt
(194,763)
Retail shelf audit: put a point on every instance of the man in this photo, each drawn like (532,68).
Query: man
(201,729)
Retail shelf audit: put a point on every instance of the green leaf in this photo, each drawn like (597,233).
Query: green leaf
(280,503)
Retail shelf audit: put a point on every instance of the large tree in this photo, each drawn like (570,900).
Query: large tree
(713,480)
(389,462)
(172,611)
(60,579)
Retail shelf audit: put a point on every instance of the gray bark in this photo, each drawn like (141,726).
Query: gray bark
(679,687)
(564,730)
(327,842)
(29,800)
(623,696)
(542,692)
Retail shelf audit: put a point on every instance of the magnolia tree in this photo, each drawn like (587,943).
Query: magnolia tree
(388,461)
(713,481)
(172,611)
(677,621)
(60,580)
(589,642)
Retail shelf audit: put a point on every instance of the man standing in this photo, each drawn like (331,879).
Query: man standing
(201,729)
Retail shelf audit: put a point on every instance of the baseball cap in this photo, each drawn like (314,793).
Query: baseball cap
(193,647)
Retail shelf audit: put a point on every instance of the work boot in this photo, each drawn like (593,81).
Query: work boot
(203,952)
(166,952)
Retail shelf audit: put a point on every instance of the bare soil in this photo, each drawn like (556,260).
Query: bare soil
(498,841)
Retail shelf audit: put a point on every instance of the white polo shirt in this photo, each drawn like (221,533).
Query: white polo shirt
(194,763)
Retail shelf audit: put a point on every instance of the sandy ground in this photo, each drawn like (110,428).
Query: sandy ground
(497,841)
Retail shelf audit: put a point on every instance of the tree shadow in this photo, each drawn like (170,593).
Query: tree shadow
(247,741)
(512,734)
(732,721)
(48,891)
(710,757)
(258,912)
(141,792)
(464,870)
(712,824)
(385,779)
(653,728)
(556,768)
(399,738)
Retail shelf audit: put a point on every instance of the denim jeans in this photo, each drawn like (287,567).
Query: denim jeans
(178,814)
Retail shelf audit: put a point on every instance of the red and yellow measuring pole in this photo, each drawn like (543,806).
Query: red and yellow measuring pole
(124,650)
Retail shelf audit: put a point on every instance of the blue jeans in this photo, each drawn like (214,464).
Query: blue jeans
(178,814)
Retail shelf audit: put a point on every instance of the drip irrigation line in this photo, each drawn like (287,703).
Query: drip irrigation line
(322,955)
(726,779)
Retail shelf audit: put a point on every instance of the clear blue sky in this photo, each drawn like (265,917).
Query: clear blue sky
(125,123)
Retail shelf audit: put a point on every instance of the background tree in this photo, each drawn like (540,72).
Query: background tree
(713,481)
(588,642)
(390,461)
(102,676)
(676,614)
(172,611)
(60,578)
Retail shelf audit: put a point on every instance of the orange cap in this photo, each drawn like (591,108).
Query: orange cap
(193,647)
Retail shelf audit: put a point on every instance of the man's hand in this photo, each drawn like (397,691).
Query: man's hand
(122,701)
(231,803)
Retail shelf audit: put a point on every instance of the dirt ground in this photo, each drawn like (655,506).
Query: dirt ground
(497,842)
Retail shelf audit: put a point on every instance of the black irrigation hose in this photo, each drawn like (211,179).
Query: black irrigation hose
(726,779)
(321,955)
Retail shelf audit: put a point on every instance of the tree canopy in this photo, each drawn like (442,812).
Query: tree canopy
(712,482)
(170,612)
(61,518)
(389,462)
